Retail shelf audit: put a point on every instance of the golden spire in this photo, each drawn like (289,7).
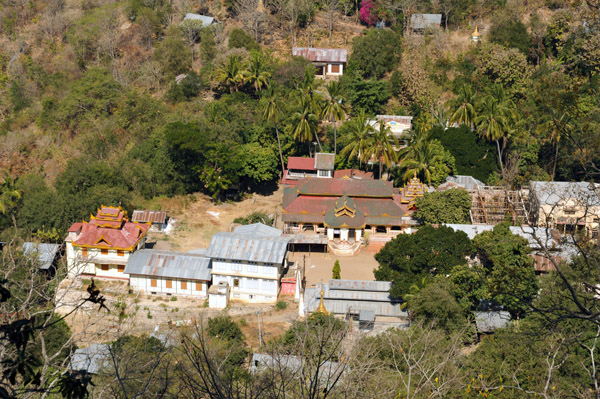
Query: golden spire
(321,308)
(476,33)
(260,7)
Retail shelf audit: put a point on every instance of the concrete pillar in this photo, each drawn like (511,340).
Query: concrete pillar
(358,234)
(315,226)
(300,227)
(388,230)
(330,233)
(344,234)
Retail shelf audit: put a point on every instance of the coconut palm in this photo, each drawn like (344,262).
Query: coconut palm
(272,110)
(256,72)
(9,194)
(463,107)
(356,138)
(381,145)
(304,123)
(419,160)
(554,124)
(492,124)
(230,74)
(334,107)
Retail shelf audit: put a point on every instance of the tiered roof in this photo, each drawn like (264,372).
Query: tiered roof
(109,229)
(411,191)
(332,201)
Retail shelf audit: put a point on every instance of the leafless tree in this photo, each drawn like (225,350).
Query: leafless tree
(253,19)
(331,10)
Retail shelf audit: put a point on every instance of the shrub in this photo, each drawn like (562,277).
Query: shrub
(335,272)
(173,299)
(255,217)
(224,327)
(281,305)
(238,38)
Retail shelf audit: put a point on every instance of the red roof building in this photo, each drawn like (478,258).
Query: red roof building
(346,210)
(102,246)
(322,165)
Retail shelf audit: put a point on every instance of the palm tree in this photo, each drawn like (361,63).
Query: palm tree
(419,160)
(9,195)
(356,139)
(256,72)
(555,125)
(381,146)
(334,108)
(272,110)
(492,124)
(304,122)
(463,107)
(231,74)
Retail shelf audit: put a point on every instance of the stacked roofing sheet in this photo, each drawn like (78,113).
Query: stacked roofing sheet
(422,21)
(149,216)
(181,265)
(44,253)
(555,192)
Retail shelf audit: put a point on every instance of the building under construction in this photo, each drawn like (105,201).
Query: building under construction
(492,205)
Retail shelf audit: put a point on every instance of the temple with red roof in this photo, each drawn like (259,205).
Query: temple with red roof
(346,210)
(102,246)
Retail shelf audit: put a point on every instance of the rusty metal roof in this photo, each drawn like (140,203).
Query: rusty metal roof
(321,54)
(149,216)
(182,265)
(422,21)
(324,161)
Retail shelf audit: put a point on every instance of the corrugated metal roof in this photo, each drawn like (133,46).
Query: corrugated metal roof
(321,54)
(534,235)
(233,246)
(45,253)
(262,361)
(360,285)
(422,21)
(366,315)
(487,322)
(183,265)
(90,359)
(206,20)
(324,161)
(258,230)
(149,216)
(468,182)
(555,192)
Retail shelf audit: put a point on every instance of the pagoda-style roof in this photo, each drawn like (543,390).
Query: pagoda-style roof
(109,229)
(345,214)
(350,187)
(412,190)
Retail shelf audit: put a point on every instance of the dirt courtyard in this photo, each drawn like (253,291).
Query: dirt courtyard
(319,265)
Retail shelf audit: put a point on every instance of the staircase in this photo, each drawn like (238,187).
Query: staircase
(344,248)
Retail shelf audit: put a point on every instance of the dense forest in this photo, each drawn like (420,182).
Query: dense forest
(124,102)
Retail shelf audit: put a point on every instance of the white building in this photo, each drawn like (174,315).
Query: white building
(102,246)
(250,260)
(171,273)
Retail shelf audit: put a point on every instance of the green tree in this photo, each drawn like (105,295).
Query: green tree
(469,285)
(462,107)
(369,96)
(231,74)
(304,122)
(336,271)
(272,108)
(436,304)
(414,258)
(256,72)
(259,163)
(238,38)
(9,194)
(173,56)
(449,206)
(510,33)
(335,107)
(224,327)
(421,160)
(357,133)
(381,146)
(375,52)
(512,280)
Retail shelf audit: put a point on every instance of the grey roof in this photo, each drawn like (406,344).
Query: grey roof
(324,161)
(206,20)
(258,230)
(183,265)
(45,253)
(198,251)
(366,315)
(345,300)
(554,192)
(243,247)
(360,285)
(294,364)
(149,216)
(534,235)
(422,21)
(321,54)
(468,182)
(487,322)
(90,359)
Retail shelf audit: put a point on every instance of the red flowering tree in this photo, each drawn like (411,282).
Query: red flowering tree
(367,13)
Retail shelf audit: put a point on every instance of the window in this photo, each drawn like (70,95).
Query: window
(569,211)
(169,283)
(121,268)
(252,283)
(236,282)
(335,68)
(253,268)
(198,286)
(84,252)
(104,251)
(323,173)
(153,283)
(104,267)
(236,267)
(184,285)
(120,253)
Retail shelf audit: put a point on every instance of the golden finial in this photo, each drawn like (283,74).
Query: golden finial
(321,308)
(476,33)
(260,7)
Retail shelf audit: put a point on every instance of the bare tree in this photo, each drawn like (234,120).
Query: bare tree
(331,10)
(253,19)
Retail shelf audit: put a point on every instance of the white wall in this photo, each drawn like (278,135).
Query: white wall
(144,283)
